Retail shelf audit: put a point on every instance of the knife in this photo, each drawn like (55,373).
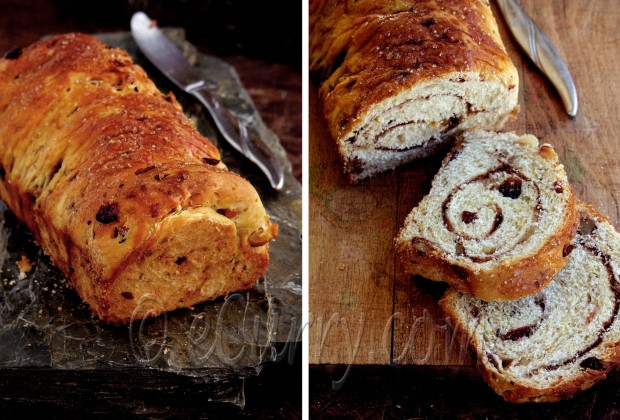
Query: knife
(542,52)
(169,59)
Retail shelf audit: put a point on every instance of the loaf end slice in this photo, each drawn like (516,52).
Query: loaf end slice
(560,341)
(497,221)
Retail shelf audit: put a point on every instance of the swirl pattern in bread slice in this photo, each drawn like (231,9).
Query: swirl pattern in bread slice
(396,79)
(496,221)
(548,346)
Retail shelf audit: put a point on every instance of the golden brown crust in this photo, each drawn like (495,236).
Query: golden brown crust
(110,175)
(366,51)
(509,281)
(516,393)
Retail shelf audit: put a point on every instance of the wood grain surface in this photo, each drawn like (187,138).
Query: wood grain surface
(363,308)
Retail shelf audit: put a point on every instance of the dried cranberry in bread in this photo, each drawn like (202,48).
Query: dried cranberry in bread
(128,200)
(396,78)
(562,340)
(496,221)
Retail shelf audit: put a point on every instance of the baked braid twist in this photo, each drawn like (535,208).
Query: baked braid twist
(128,200)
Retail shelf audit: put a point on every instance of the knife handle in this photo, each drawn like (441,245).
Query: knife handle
(244,138)
(542,52)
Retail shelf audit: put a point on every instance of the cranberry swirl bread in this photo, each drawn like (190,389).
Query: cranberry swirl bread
(397,78)
(497,220)
(562,340)
(128,200)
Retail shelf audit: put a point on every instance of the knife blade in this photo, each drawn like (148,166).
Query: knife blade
(541,50)
(168,58)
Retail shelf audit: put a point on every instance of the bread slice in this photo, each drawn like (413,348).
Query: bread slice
(496,221)
(397,78)
(562,340)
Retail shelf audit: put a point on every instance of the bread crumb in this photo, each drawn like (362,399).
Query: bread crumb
(25,266)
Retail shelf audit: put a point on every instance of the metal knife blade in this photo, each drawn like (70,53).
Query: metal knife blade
(167,57)
(542,52)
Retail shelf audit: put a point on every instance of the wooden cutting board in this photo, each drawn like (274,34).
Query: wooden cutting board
(362,308)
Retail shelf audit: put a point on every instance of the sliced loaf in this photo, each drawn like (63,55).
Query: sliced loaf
(497,220)
(548,346)
(397,78)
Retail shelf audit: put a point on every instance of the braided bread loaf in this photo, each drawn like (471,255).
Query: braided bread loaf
(396,78)
(496,221)
(559,341)
(128,200)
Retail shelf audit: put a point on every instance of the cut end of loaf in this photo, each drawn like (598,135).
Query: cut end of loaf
(417,121)
(395,78)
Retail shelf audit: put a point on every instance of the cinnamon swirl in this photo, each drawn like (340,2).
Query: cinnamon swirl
(496,221)
(562,340)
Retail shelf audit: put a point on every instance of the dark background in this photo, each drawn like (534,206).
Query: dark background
(268,30)
(262,40)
